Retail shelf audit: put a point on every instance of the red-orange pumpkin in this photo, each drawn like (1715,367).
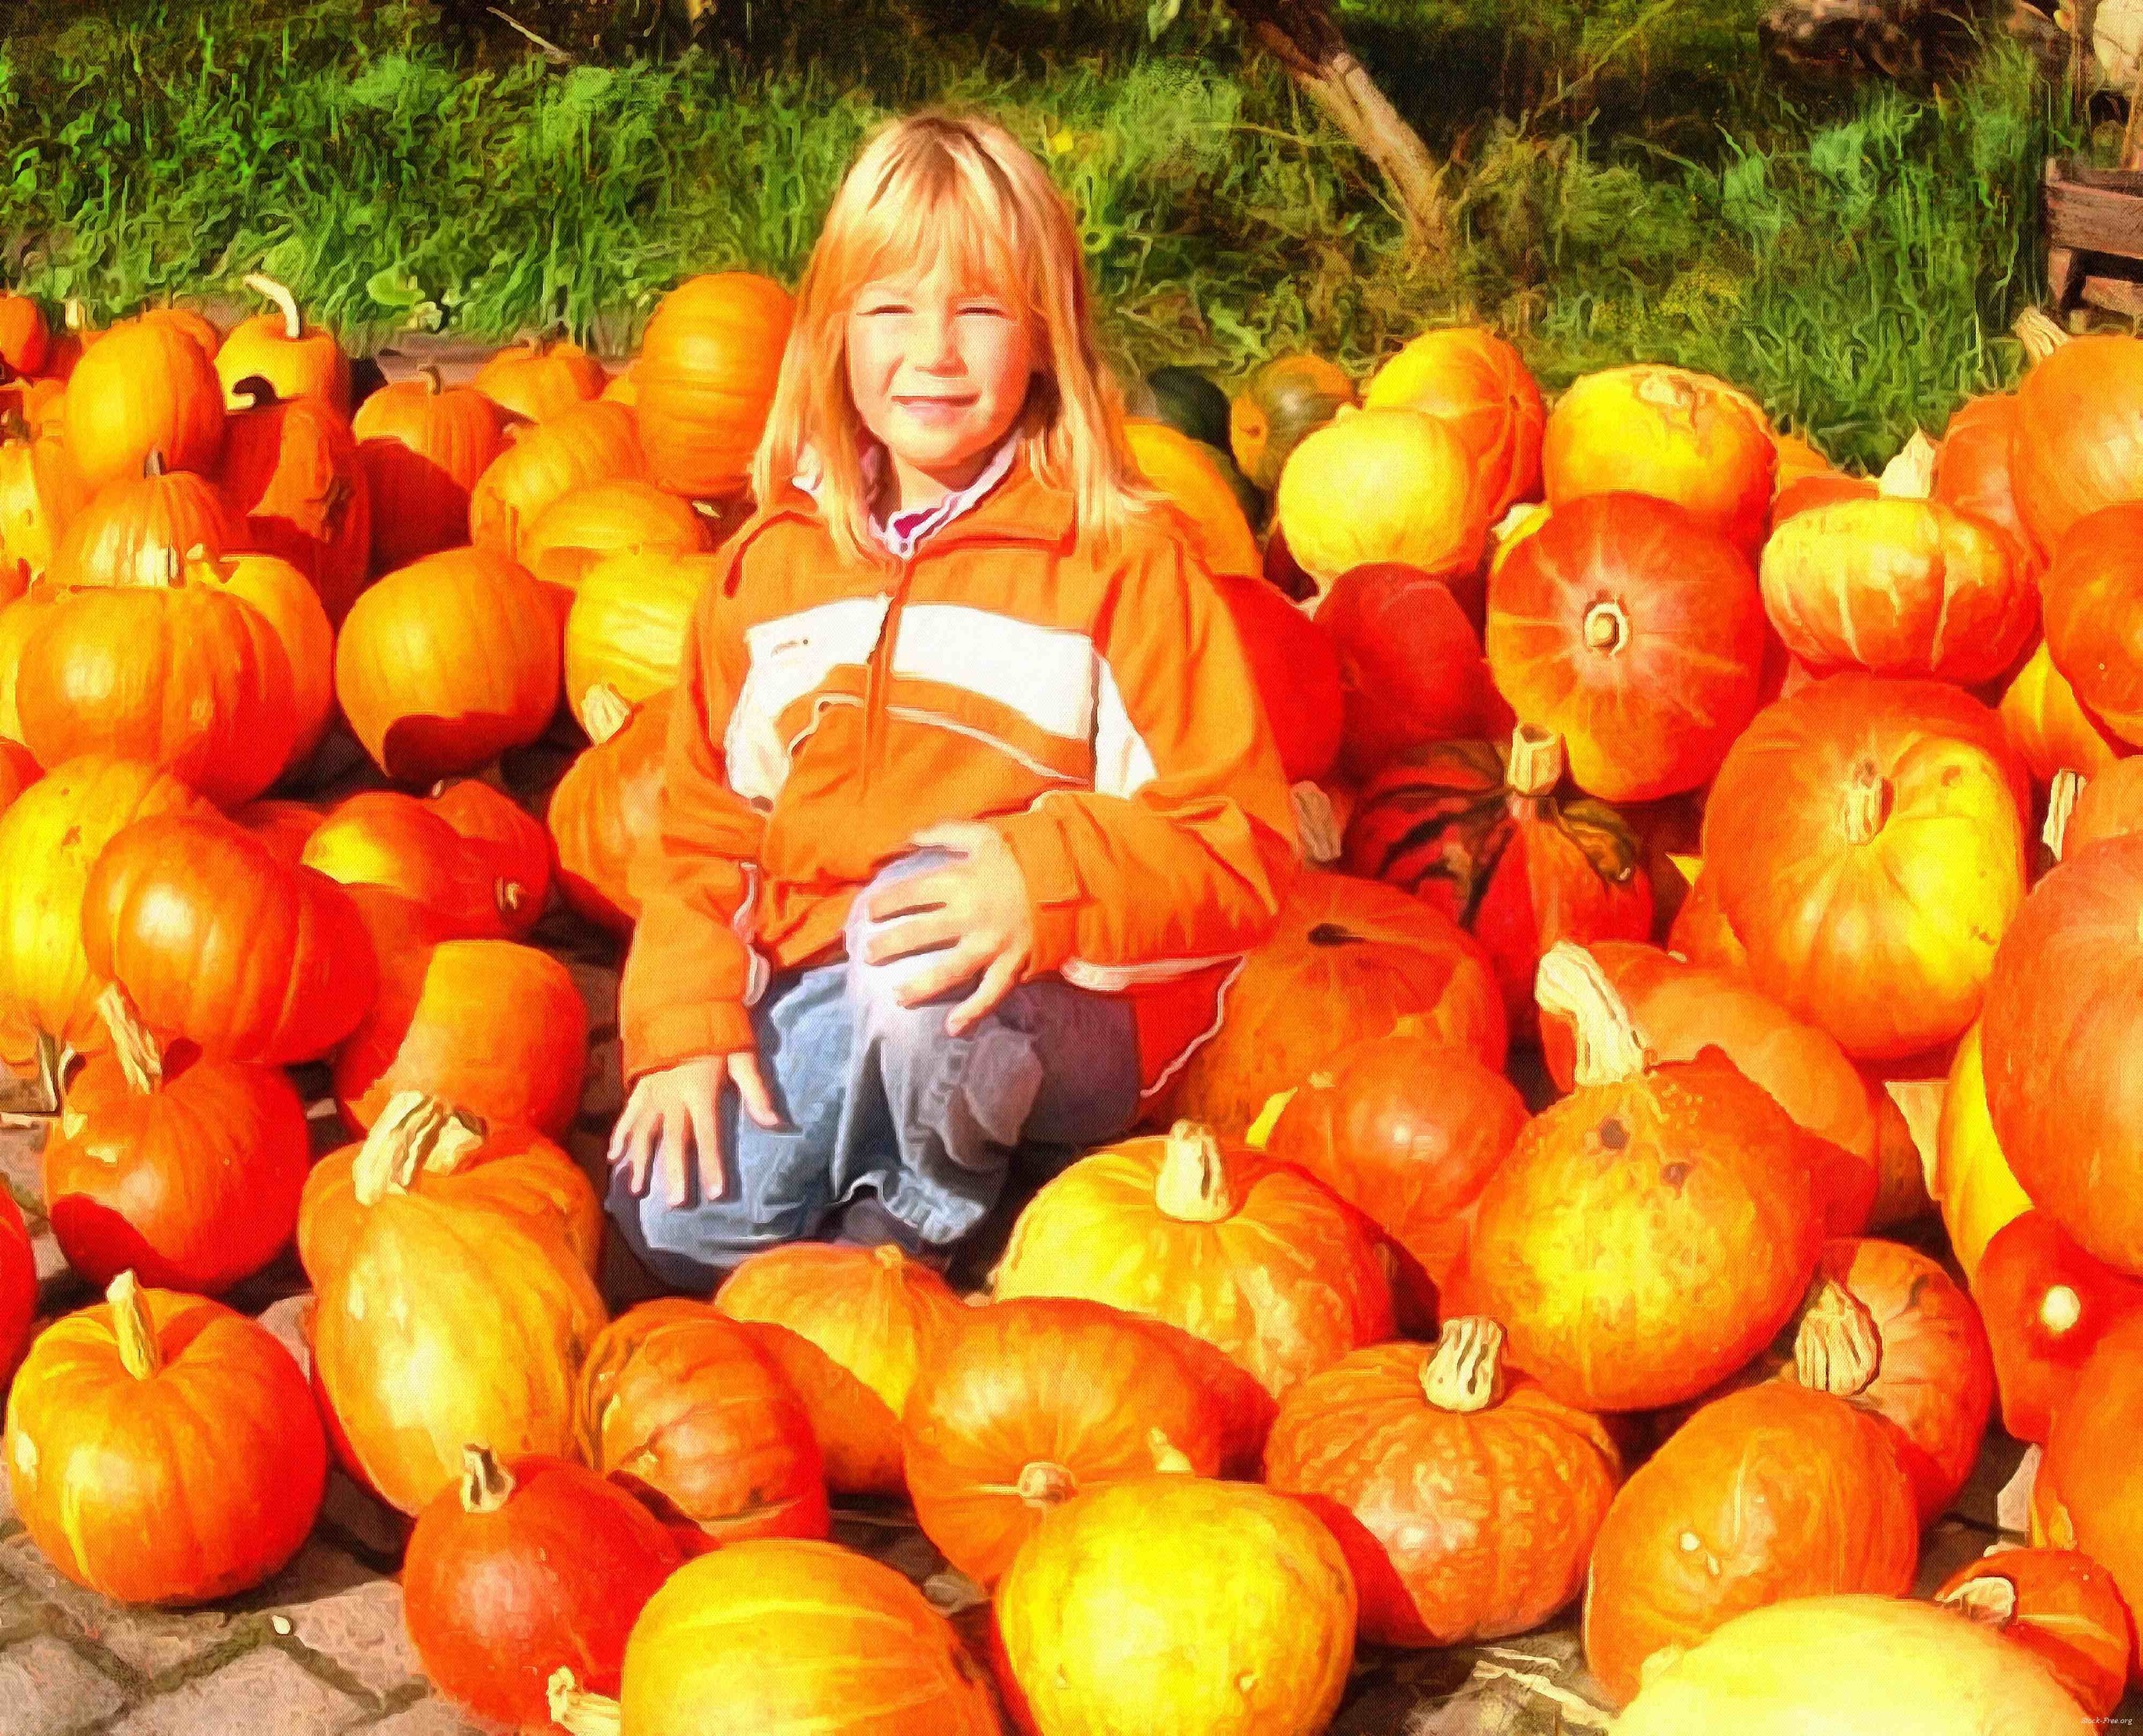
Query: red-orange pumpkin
(280,593)
(2094,597)
(1975,472)
(2046,1303)
(2075,447)
(607,804)
(422,445)
(290,472)
(382,837)
(2109,805)
(1295,667)
(18,1284)
(23,334)
(2089,1477)
(492,823)
(705,376)
(2061,1607)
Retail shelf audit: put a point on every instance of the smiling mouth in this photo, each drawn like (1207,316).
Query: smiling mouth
(942,402)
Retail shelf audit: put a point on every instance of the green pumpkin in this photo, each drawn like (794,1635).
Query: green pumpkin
(1285,399)
(1248,495)
(1190,402)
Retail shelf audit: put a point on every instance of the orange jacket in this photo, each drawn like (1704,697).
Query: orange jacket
(1101,714)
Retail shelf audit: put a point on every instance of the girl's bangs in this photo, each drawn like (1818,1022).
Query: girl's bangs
(911,228)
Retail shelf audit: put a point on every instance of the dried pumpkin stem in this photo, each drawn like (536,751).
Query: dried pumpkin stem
(889,1259)
(140,1353)
(1862,816)
(509,895)
(1466,1372)
(134,1046)
(2060,1309)
(1991,1599)
(1536,763)
(2060,807)
(1192,1187)
(1316,827)
(487,1485)
(1570,985)
(286,304)
(434,381)
(75,315)
(1837,1348)
(579,1713)
(1168,1458)
(1911,475)
(415,1132)
(2039,333)
(604,712)
(1606,628)
(153,465)
(1044,1483)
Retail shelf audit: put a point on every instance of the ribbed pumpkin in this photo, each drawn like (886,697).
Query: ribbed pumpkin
(290,472)
(41,491)
(1975,472)
(425,1144)
(2046,1303)
(1362,956)
(2090,1470)
(607,803)
(678,1403)
(280,593)
(2076,448)
(1650,1232)
(218,940)
(143,387)
(2059,1605)
(1769,1493)
(1478,383)
(705,379)
(1287,399)
(284,826)
(2109,804)
(493,824)
(1252,1257)
(423,444)
(135,530)
(1381,485)
(382,837)
(489,1025)
(533,381)
(194,324)
(1669,433)
(542,462)
(579,529)
(629,623)
(447,662)
(1466,1501)
(297,360)
(1971,1182)
(187,1171)
(2051,728)
(1867,838)
(106,1424)
(1178,1603)
(2094,591)
(18,619)
(1183,469)
(1295,668)
(1635,631)
(181,674)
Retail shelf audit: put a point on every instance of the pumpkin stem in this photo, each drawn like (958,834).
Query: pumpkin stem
(889,1259)
(1192,1187)
(153,465)
(74,313)
(52,1071)
(1043,1483)
(1990,1600)
(2039,333)
(2060,807)
(1666,391)
(1865,792)
(1168,1458)
(2060,1309)
(12,426)
(1837,1348)
(140,1352)
(1911,475)
(415,1132)
(1316,826)
(511,895)
(1570,984)
(133,1044)
(1536,762)
(487,1485)
(434,381)
(1466,1372)
(286,303)
(1607,627)
(604,712)
(578,1713)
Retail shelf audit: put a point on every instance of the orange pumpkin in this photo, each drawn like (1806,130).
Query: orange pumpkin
(2051,728)
(2094,593)
(1971,1180)
(41,491)
(2046,1304)
(492,823)
(2075,448)
(2059,1605)
(290,472)
(529,382)
(1477,383)
(2090,1473)
(423,445)
(579,529)
(607,803)
(1975,472)
(1701,934)
(628,624)
(2109,805)
(382,837)
(1186,471)
(296,360)
(144,387)
(140,529)
(705,379)
(542,462)
(18,1285)
(23,334)
(18,770)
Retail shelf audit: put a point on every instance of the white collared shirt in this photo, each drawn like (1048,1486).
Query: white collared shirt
(903,532)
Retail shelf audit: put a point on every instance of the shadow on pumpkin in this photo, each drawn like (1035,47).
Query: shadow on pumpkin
(422,749)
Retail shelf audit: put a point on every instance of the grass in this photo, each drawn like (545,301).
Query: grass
(1626,186)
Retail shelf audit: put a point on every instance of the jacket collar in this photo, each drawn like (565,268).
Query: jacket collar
(1020,508)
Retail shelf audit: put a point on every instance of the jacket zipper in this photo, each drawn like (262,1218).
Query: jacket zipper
(879,675)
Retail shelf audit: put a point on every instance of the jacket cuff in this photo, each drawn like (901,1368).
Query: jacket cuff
(659,1040)
(1054,890)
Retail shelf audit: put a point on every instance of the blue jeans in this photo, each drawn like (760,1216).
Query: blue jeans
(885,1114)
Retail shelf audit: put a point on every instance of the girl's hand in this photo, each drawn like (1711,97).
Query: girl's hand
(674,1109)
(979,904)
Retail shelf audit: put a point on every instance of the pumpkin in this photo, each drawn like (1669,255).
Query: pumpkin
(2109,805)
(705,379)
(1769,1493)
(1971,1180)
(1478,383)
(296,360)
(1180,1602)
(492,1025)
(191,321)
(2057,1038)
(1701,934)
(182,675)
(284,826)
(1022,1405)
(23,334)
(2093,587)
(280,592)
(1807,492)
(525,1567)
(1252,1257)
(2075,448)
(1650,1233)
(2050,728)
(629,622)
(50,840)
(1189,402)
(783,1637)
(2046,1304)
(18,1284)
(1282,571)
(447,662)
(1407,1129)
(1851,1665)
(1474,828)
(18,770)
(186,1171)
(1683,1009)
(1295,667)
(2060,1606)
(530,382)
(540,463)
(139,530)
(875,1314)
(425,1144)
(677,1402)
(1347,960)
(609,801)
(492,824)
(1285,401)
(1391,485)
(218,940)
(1903,585)
(1868,837)
(577,530)
(291,473)
(143,387)
(1411,670)
(1216,529)
(382,837)
(1975,472)
(106,1424)
(40,492)
(1669,433)
(2090,1467)
(1466,1501)
(422,445)
(1635,632)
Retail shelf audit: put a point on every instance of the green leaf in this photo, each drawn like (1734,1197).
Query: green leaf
(392,288)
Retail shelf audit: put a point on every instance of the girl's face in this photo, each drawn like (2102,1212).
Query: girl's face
(939,369)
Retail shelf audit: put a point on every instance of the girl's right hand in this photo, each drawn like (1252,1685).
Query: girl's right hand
(674,1109)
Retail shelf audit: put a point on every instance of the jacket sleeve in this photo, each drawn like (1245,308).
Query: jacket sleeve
(1182,852)
(690,973)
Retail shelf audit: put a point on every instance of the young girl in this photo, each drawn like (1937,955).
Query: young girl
(971,812)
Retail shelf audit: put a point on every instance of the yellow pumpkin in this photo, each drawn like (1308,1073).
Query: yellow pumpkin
(1385,485)
(628,623)
(1972,1183)
(1177,465)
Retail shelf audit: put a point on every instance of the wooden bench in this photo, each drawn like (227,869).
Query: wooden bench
(2094,227)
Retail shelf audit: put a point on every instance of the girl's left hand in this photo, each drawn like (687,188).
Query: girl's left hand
(975,909)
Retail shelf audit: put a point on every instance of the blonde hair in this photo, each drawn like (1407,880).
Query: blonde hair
(922,183)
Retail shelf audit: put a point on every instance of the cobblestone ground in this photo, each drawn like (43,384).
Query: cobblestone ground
(321,1649)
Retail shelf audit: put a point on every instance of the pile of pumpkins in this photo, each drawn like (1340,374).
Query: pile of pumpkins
(1789,815)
